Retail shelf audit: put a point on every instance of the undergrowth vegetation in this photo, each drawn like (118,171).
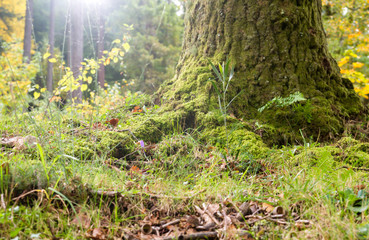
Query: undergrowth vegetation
(96,170)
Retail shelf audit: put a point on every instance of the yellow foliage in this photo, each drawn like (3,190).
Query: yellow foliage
(343,61)
(15,76)
(357,65)
(16,24)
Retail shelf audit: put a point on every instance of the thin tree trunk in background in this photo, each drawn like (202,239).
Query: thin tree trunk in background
(51,46)
(100,47)
(27,41)
(76,35)
(67,40)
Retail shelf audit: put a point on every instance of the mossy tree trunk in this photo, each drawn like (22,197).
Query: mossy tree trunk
(278,47)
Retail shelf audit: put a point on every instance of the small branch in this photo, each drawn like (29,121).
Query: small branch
(106,193)
(114,168)
(193,236)
(27,193)
(115,193)
(212,218)
(169,223)
(353,168)
(277,221)
(3,205)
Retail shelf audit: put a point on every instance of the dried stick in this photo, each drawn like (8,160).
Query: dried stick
(353,168)
(193,236)
(3,205)
(169,223)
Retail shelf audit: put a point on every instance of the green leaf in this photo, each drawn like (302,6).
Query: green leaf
(238,94)
(359,209)
(215,87)
(226,70)
(15,232)
(215,70)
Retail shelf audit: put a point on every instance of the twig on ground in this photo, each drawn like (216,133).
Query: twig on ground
(106,193)
(169,223)
(193,236)
(277,221)
(3,205)
(27,193)
(113,167)
(353,168)
(114,193)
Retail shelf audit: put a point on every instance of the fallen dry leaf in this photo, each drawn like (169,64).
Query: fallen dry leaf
(96,233)
(82,220)
(213,208)
(20,143)
(267,207)
(360,187)
(113,122)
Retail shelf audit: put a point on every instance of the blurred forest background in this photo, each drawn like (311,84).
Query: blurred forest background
(152,32)
(152,28)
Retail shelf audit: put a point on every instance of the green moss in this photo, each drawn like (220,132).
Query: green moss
(347,151)
(357,159)
(25,176)
(81,148)
(312,156)
(240,140)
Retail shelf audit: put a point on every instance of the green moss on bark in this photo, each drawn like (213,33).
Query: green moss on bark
(278,48)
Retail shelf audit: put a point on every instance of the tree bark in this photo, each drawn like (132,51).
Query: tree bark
(278,48)
(51,46)
(100,47)
(76,35)
(27,41)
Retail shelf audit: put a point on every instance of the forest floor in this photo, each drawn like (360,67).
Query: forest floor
(72,176)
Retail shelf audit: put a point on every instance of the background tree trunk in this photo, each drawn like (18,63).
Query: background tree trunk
(76,36)
(27,41)
(51,46)
(279,47)
(100,46)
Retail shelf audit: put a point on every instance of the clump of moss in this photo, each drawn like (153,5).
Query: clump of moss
(312,156)
(24,176)
(346,151)
(113,143)
(354,152)
(239,140)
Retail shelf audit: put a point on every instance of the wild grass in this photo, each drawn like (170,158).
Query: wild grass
(51,192)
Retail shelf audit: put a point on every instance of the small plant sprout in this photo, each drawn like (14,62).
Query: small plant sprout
(283,102)
(221,84)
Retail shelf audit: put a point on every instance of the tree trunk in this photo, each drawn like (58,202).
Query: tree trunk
(76,35)
(51,46)
(27,41)
(68,39)
(278,48)
(100,47)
